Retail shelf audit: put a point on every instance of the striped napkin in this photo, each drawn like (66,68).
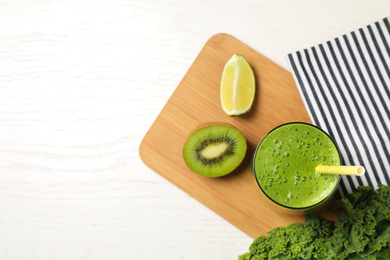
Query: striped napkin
(345,86)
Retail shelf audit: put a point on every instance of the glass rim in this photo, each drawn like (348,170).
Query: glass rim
(289,207)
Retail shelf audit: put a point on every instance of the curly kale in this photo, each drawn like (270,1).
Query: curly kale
(362,232)
(296,241)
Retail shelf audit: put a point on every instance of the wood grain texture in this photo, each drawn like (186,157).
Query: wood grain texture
(235,197)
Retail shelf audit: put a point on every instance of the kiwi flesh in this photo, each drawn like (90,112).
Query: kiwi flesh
(215,150)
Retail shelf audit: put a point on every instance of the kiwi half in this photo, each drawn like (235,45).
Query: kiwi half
(214,150)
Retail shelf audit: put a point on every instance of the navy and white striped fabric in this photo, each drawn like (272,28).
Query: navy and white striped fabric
(345,86)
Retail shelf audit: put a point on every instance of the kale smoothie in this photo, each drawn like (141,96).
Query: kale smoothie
(285,161)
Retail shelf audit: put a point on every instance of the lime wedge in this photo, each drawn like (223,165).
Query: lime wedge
(238,87)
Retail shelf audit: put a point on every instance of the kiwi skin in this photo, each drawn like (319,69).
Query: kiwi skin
(214,150)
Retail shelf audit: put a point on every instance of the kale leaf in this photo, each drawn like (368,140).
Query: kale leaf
(362,232)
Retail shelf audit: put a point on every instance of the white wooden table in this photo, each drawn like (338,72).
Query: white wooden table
(80,84)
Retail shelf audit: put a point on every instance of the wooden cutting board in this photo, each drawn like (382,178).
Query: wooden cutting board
(236,197)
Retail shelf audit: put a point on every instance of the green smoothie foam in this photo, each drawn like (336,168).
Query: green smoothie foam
(285,162)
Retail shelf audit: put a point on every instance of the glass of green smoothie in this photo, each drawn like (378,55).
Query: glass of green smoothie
(284,166)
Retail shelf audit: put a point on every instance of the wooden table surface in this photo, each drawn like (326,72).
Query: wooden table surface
(81,82)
